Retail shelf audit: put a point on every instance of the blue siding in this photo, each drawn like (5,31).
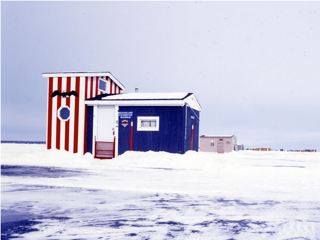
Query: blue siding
(89,128)
(171,134)
(195,121)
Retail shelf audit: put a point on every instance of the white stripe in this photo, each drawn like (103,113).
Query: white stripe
(63,123)
(108,85)
(81,116)
(95,130)
(47,130)
(72,109)
(89,88)
(116,114)
(54,115)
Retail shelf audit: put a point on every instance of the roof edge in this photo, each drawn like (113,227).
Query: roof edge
(84,74)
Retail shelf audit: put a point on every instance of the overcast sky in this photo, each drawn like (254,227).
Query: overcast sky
(253,66)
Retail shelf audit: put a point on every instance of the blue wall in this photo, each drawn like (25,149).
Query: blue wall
(193,117)
(89,128)
(171,134)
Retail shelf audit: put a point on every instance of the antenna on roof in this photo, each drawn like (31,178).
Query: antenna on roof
(136,89)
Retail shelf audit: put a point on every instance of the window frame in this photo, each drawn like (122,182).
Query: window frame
(148,118)
(106,82)
(59,115)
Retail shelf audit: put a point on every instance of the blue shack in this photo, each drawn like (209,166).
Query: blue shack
(116,123)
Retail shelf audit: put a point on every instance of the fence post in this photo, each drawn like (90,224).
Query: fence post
(131,133)
(192,138)
(114,147)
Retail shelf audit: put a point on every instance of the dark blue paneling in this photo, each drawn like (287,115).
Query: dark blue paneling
(89,128)
(173,136)
(192,117)
(169,138)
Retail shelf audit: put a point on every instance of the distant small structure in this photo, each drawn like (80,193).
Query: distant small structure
(261,149)
(239,147)
(218,144)
(306,150)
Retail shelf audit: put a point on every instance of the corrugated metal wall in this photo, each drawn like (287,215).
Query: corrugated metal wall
(174,135)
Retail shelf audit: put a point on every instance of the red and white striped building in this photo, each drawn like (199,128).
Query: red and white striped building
(66,110)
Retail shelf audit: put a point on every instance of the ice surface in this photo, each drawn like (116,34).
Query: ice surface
(157,195)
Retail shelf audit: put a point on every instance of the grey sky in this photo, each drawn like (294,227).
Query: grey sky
(254,66)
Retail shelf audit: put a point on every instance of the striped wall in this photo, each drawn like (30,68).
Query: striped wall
(70,134)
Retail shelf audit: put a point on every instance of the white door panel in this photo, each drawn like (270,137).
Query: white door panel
(106,124)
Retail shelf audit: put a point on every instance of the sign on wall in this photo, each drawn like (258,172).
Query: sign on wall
(124,122)
(125,115)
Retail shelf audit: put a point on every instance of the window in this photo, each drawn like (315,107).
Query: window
(212,142)
(102,85)
(64,113)
(148,124)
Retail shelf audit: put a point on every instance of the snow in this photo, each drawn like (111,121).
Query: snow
(157,195)
(147,96)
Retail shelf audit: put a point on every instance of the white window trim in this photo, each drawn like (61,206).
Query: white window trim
(58,113)
(140,128)
(106,82)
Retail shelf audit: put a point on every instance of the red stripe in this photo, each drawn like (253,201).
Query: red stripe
(131,135)
(192,138)
(91,90)
(58,119)
(76,117)
(114,147)
(115,88)
(110,86)
(85,131)
(96,86)
(66,142)
(49,127)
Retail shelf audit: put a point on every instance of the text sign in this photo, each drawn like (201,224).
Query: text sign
(125,115)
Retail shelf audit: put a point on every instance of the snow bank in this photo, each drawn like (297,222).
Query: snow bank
(246,173)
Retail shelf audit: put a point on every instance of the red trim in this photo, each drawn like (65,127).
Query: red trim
(85,131)
(115,88)
(95,146)
(114,147)
(131,134)
(76,116)
(66,142)
(97,81)
(110,86)
(58,119)
(91,88)
(49,127)
(192,137)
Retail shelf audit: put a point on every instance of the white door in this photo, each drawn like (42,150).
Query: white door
(106,124)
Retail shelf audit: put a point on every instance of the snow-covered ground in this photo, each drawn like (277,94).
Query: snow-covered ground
(156,195)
